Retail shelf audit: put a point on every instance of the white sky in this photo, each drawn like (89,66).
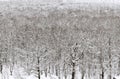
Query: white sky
(98,1)
(78,1)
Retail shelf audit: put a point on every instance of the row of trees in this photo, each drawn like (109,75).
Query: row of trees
(61,43)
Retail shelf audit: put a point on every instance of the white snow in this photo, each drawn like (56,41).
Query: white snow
(19,73)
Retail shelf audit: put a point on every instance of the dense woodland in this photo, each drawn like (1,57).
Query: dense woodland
(61,41)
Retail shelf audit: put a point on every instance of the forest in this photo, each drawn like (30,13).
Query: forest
(59,42)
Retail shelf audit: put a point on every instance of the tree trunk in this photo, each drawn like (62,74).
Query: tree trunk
(1,67)
(38,68)
(52,69)
(102,71)
(49,70)
(83,74)
(102,74)
(11,70)
(101,62)
(56,70)
(88,73)
(65,74)
(59,77)
(119,67)
(38,73)
(46,72)
(110,58)
(73,71)
(109,77)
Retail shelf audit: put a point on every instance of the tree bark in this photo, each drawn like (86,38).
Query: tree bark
(102,74)
(1,67)
(38,68)
(11,68)
(119,67)
(83,75)
(59,75)
(65,72)
(110,62)
(46,72)
(73,71)
(101,62)
(11,71)
(56,70)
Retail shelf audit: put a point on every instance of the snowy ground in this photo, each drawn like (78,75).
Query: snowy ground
(18,76)
(19,73)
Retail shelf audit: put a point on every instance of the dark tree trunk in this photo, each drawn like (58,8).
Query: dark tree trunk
(59,77)
(83,75)
(38,68)
(11,71)
(38,73)
(102,74)
(102,67)
(73,71)
(49,70)
(65,76)
(110,58)
(1,67)
(119,67)
(56,70)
